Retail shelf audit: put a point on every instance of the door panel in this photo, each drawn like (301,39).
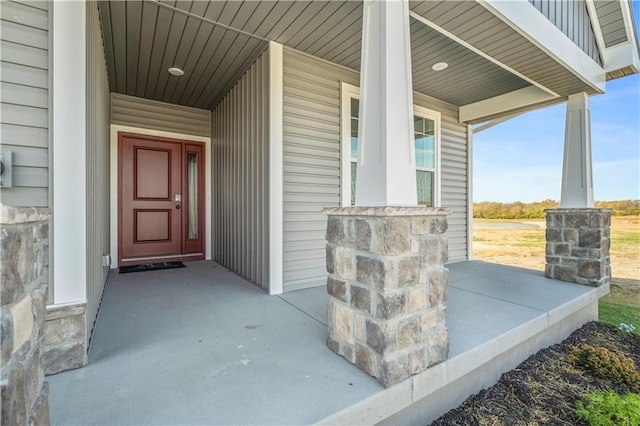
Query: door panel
(153,179)
(150,180)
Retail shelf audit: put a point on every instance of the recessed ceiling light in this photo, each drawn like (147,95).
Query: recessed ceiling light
(176,71)
(440,66)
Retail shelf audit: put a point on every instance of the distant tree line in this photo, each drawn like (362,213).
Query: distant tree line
(519,210)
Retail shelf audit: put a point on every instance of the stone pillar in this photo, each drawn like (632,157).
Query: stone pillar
(24,263)
(578,245)
(387,288)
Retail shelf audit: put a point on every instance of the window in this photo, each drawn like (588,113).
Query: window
(427,147)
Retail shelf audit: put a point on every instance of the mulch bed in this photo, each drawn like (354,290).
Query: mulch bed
(544,388)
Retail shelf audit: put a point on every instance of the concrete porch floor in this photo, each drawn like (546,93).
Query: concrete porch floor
(199,345)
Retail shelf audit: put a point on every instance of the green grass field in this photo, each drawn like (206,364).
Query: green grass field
(622,305)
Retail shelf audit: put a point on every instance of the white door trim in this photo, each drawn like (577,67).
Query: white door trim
(115,129)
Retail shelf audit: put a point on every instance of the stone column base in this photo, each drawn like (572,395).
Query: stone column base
(577,247)
(387,288)
(65,341)
(24,259)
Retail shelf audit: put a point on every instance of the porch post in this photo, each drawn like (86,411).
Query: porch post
(386,159)
(577,176)
(578,235)
(387,283)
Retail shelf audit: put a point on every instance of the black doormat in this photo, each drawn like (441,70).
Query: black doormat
(151,267)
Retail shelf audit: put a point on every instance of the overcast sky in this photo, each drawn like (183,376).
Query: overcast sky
(521,159)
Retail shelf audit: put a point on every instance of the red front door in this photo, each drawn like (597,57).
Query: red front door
(160,200)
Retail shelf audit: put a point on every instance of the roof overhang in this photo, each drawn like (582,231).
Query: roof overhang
(523,17)
(621,57)
(504,57)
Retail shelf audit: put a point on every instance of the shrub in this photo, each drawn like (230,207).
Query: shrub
(609,408)
(606,364)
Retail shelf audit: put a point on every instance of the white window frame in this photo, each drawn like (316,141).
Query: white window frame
(348,91)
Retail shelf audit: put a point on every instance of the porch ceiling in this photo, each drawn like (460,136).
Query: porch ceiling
(215,42)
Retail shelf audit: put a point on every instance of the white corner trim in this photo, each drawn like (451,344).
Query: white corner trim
(469,192)
(69,152)
(503,103)
(347,91)
(479,52)
(276,226)
(113,163)
(523,17)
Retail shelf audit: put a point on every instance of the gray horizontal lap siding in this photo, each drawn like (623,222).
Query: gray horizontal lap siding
(147,114)
(572,18)
(240,132)
(311,178)
(24,100)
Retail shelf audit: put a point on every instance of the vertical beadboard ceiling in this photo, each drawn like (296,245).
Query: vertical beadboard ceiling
(214,42)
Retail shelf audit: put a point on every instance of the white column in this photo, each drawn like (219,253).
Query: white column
(69,153)
(577,174)
(386,159)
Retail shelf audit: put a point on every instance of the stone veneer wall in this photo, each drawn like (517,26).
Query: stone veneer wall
(65,342)
(387,288)
(24,262)
(577,247)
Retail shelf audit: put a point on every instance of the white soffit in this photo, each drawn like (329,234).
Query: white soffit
(535,27)
(502,104)
(458,40)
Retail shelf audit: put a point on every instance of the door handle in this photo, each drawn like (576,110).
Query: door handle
(178,206)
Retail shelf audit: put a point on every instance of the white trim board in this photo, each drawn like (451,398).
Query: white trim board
(113,141)
(69,245)
(276,167)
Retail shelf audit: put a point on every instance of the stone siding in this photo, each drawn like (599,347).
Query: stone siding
(65,341)
(578,242)
(387,288)
(24,264)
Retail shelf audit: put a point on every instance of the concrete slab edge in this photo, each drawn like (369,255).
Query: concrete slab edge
(395,399)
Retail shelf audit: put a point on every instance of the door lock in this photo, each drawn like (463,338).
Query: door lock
(178,206)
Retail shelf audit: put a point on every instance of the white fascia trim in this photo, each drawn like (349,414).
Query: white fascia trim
(69,152)
(113,162)
(348,91)
(523,17)
(621,56)
(595,25)
(503,103)
(479,52)
(276,186)
(628,22)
